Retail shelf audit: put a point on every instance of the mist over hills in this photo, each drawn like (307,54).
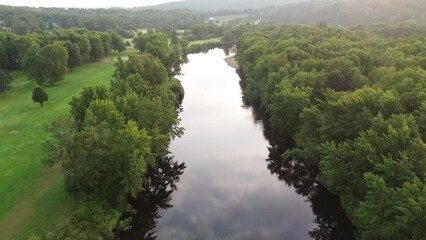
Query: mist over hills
(338,12)
(221,5)
(348,12)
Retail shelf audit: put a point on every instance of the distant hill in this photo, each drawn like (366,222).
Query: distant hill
(222,5)
(348,12)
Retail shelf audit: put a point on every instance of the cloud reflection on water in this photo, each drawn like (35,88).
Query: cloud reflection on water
(227,192)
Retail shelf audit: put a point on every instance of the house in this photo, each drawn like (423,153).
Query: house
(210,20)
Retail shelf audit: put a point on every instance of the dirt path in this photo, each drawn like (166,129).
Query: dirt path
(19,215)
(107,60)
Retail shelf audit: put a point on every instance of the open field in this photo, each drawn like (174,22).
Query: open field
(229,18)
(130,51)
(210,40)
(32,196)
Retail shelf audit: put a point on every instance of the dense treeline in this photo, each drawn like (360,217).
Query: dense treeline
(109,140)
(228,38)
(23,19)
(169,51)
(229,32)
(354,103)
(47,56)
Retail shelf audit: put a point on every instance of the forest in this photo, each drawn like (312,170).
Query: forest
(24,19)
(354,103)
(91,104)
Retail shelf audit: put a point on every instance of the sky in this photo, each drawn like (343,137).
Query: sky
(84,3)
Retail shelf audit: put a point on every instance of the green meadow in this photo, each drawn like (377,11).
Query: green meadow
(32,196)
(204,41)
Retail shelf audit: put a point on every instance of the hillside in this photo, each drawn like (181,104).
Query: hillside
(221,5)
(348,12)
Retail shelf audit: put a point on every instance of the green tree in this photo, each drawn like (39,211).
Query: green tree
(106,158)
(158,46)
(79,104)
(117,43)
(139,41)
(97,49)
(5,81)
(288,103)
(34,62)
(150,68)
(23,44)
(48,64)
(74,55)
(106,42)
(391,149)
(56,64)
(392,212)
(3,55)
(342,75)
(174,39)
(40,95)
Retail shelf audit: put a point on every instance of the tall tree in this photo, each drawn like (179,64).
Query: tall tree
(74,54)
(97,49)
(106,42)
(174,39)
(117,43)
(56,65)
(139,41)
(48,64)
(5,81)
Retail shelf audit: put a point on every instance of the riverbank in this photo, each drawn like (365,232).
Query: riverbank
(232,62)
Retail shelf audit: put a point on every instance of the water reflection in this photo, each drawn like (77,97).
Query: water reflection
(330,218)
(206,47)
(162,179)
(228,191)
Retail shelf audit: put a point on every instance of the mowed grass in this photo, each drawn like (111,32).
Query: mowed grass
(229,18)
(32,196)
(204,41)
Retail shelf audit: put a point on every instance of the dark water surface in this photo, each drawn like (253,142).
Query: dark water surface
(227,191)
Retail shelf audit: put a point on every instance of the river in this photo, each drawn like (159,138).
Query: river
(226,192)
(235,185)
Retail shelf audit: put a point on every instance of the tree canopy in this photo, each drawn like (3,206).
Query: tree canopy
(109,140)
(5,81)
(353,101)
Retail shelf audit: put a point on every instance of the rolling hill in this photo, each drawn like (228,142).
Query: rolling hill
(222,5)
(347,12)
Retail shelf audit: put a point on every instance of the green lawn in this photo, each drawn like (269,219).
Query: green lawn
(32,196)
(210,40)
(229,18)
(131,50)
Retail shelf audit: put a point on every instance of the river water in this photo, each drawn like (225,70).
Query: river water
(227,191)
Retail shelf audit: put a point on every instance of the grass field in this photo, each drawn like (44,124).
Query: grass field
(210,40)
(229,18)
(32,196)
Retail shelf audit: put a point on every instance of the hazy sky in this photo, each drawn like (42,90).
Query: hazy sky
(84,3)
